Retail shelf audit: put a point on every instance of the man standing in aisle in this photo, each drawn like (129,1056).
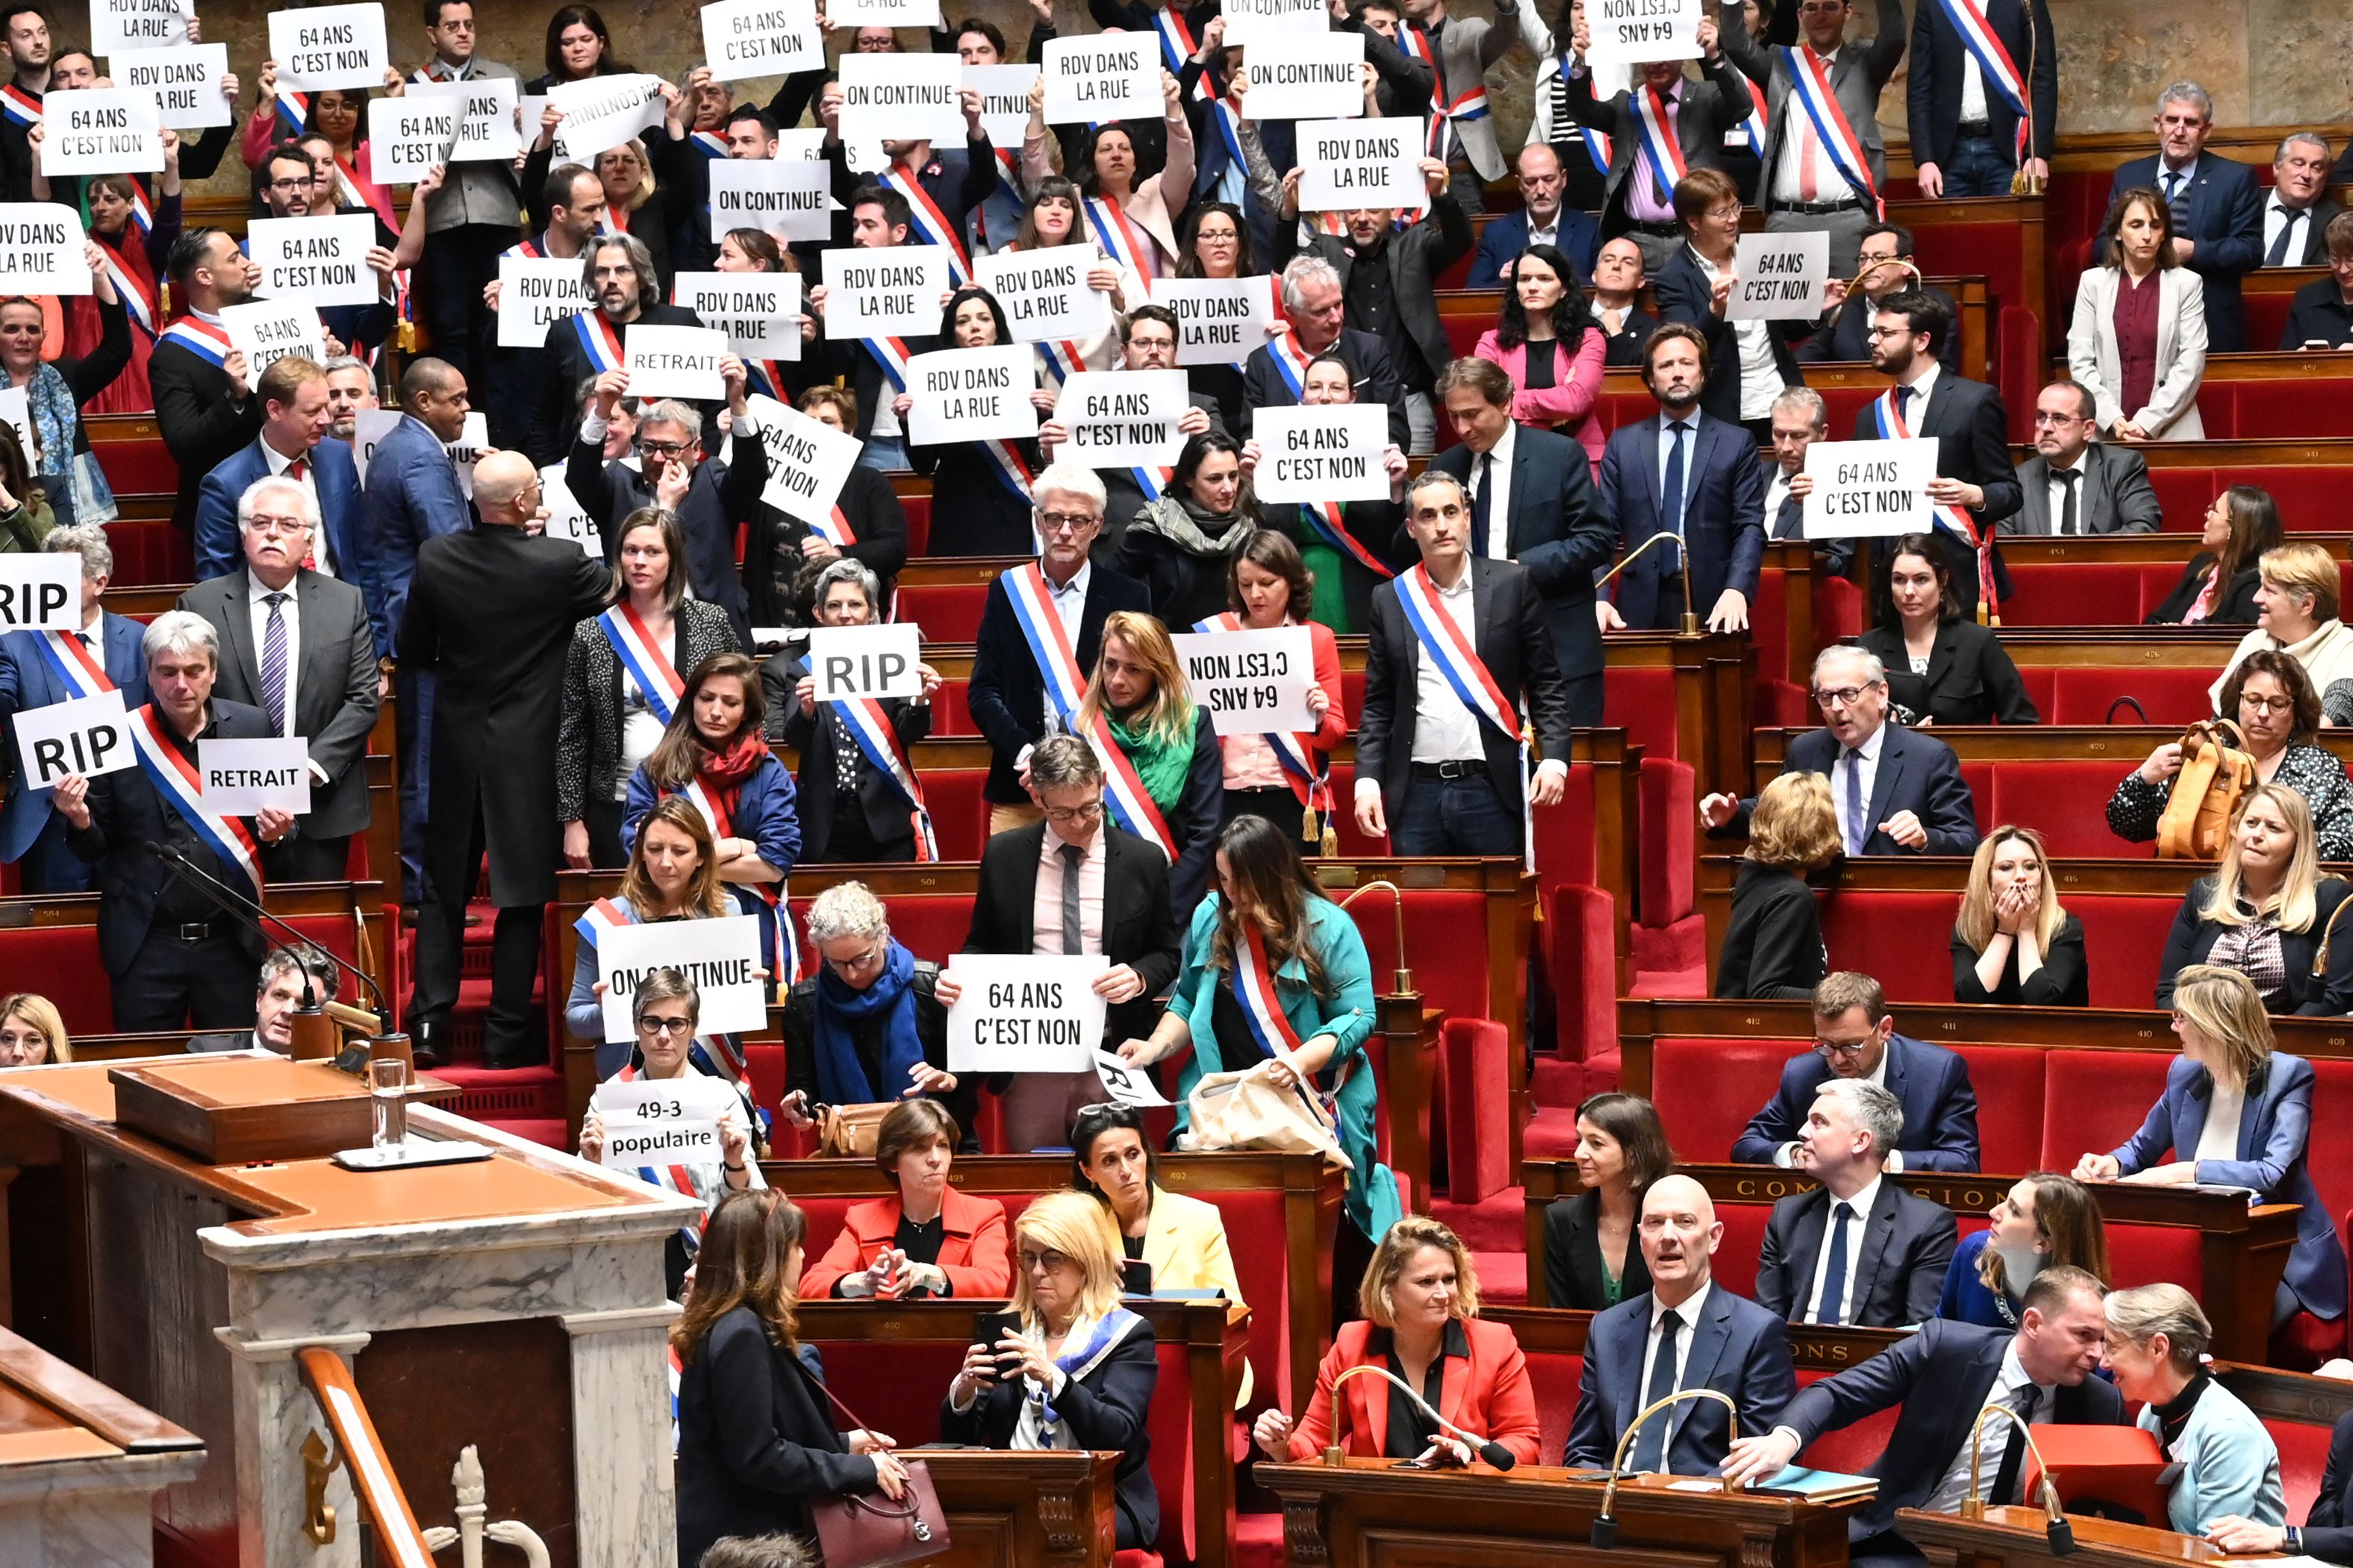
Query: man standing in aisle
(472,219)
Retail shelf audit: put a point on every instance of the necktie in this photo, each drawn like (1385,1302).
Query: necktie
(1671,491)
(1073,938)
(2277,255)
(1479,512)
(297,468)
(1904,404)
(2014,1450)
(273,661)
(1650,1444)
(2181,208)
(1831,1308)
(1857,832)
(2069,522)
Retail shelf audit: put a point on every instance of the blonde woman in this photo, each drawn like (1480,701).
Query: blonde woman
(32,1032)
(1773,949)
(2266,912)
(673,875)
(1080,1371)
(2014,944)
(2296,602)
(1139,689)
(2236,1113)
(2229,1467)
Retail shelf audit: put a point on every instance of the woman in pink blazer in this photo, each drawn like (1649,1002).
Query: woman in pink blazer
(1550,348)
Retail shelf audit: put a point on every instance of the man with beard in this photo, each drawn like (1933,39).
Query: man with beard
(351,386)
(620,279)
(574,203)
(203,409)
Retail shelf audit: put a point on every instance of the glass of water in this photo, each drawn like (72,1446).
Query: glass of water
(388,1091)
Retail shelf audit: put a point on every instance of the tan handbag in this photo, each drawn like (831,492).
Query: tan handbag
(849,1132)
(2216,772)
(1245,1110)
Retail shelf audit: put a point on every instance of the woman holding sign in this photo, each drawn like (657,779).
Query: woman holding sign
(1347,547)
(989,479)
(782,553)
(1051,220)
(1133,217)
(1182,546)
(1166,761)
(1284,778)
(56,390)
(1216,244)
(1547,343)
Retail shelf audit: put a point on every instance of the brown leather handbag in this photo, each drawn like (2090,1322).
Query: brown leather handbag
(868,1530)
(849,1132)
(2216,772)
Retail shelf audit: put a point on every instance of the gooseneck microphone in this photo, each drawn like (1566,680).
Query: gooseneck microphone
(1605,1526)
(1494,1453)
(233,902)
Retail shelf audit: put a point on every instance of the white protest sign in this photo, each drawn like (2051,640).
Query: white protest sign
(412,135)
(802,144)
(601,112)
(759,311)
(663,1120)
(369,428)
(486,130)
(1349,163)
(237,778)
(903,96)
(1306,76)
(972,395)
(866,661)
(90,736)
(1004,100)
(41,245)
(1252,22)
(856,14)
(1781,277)
(535,292)
(1116,419)
(792,199)
(1125,1083)
(101,130)
(565,518)
(809,459)
(721,957)
(16,409)
(1870,489)
(531,108)
(119,27)
(320,261)
(1330,452)
(1219,321)
(1251,682)
(1105,77)
(1025,1012)
(1631,32)
(41,592)
(267,330)
(675,361)
(761,37)
(473,440)
(184,82)
(887,291)
(329,46)
(1045,293)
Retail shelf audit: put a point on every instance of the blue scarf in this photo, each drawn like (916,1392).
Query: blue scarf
(841,1076)
(50,403)
(1076,1361)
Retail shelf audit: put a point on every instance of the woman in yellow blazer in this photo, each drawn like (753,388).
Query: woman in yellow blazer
(1182,1239)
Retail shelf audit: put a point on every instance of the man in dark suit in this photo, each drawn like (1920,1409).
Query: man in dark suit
(1638,196)
(1108,894)
(2217,210)
(1691,476)
(34,673)
(622,285)
(2298,207)
(297,644)
(1856,1038)
(489,617)
(203,408)
(1432,771)
(295,414)
(1008,696)
(2074,485)
(2324,1534)
(1617,306)
(171,953)
(1543,217)
(1937,1380)
(879,216)
(1964,126)
(2322,310)
(1687,1331)
(1896,790)
(1858,1248)
(1800,418)
(1533,502)
(1803,186)
(1316,307)
(1884,265)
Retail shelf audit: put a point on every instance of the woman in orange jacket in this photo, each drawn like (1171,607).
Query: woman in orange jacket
(931,1240)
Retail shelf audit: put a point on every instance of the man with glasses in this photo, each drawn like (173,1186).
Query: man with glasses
(1147,340)
(292,187)
(1073,883)
(623,291)
(296,413)
(2218,208)
(1855,1037)
(296,643)
(1014,652)
(1896,790)
(1884,266)
(2074,485)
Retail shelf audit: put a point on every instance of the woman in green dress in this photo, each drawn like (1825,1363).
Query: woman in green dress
(1349,549)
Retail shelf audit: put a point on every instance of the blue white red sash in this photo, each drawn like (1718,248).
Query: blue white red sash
(1809,81)
(1329,523)
(531,249)
(1597,147)
(1994,64)
(1253,983)
(598,340)
(760,375)
(1893,426)
(142,216)
(137,295)
(715,1054)
(1123,792)
(1290,363)
(930,223)
(1752,129)
(293,112)
(891,354)
(359,190)
(870,728)
(1120,240)
(75,665)
(1010,467)
(1062,359)
(1443,643)
(642,657)
(762,898)
(1152,482)
(1307,770)
(617,220)
(1179,46)
(835,529)
(176,780)
(19,107)
(1050,645)
(709,144)
(1469,104)
(1657,134)
(202,339)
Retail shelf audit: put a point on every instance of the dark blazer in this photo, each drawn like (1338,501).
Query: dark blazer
(1898,1272)
(1737,1348)
(847,360)
(1916,773)
(1506,235)
(1139,927)
(1106,1409)
(1559,533)
(757,1439)
(1933,93)
(2317,313)
(1708,108)
(412,496)
(1970,679)
(2315,249)
(1931,1084)
(1572,1268)
(876,517)
(335,476)
(26,683)
(126,815)
(334,685)
(1684,295)
(2327,1533)
(589,745)
(1972,435)
(1414,256)
(1193,822)
(1007,697)
(1514,645)
(1368,360)
(1623,350)
(1773,946)
(2308,995)
(2226,221)
(2115,497)
(1723,519)
(201,427)
(2063,981)
(717,496)
(883,806)
(1861,71)
(1846,336)
(2235,608)
(564,365)
(1954,1364)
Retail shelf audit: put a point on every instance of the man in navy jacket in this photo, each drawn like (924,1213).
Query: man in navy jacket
(293,394)
(1855,1037)
(2217,210)
(1545,219)
(1858,1248)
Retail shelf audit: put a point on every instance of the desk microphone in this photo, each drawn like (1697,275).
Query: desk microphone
(1605,1526)
(1682,561)
(1495,1452)
(2055,1526)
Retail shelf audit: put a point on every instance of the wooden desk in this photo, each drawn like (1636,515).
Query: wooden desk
(1009,1511)
(80,1465)
(2014,1538)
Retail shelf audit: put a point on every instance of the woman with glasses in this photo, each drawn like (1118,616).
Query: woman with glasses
(870,1026)
(2278,718)
(1216,244)
(1749,364)
(1942,667)
(927,1241)
(2268,914)
(1139,693)
(2044,1221)
(32,1032)
(2218,587)
(985,482)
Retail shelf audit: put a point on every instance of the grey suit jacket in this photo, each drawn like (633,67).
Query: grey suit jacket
(1467,46)
(1861,70)
(334,684)
(477,191)
(2117,497)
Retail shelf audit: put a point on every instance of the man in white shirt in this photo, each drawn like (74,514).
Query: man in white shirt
(2297,210)
(1858,1248)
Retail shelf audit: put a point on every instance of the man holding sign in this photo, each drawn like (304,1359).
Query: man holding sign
(574,200)
(620,273)
(880,218)
(204,408)
(941,185)
(1662,128)
(470,219)
(1274,376)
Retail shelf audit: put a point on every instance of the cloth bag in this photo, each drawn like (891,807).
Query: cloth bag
(1246,1110)
(867,1530)
(2216,772)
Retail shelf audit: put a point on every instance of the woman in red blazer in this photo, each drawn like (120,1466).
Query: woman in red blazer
(1420,1300)
(1548,344)
(929,1240)
(1267,586)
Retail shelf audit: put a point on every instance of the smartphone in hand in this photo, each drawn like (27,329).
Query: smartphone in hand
(988,1328)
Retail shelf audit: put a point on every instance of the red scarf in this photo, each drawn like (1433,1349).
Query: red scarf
(723,772)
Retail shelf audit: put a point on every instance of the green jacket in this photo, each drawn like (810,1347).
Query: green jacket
(22,529)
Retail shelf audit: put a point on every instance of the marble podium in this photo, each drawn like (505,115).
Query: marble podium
(79,1466)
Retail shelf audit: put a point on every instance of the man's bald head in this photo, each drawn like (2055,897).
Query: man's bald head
(435,377)
(1541,181)
(1680,1235)
(502,486)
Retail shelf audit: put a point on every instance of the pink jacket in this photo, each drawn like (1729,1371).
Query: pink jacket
(1570,400)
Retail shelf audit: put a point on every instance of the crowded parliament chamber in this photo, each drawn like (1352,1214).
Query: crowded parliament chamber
(1222,722)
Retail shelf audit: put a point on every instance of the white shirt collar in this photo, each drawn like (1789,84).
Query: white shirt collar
(1688,1311)
(1870,750)
(94,628)
(1077,585)
(1500,457)
(1860,1203)
(1920,389)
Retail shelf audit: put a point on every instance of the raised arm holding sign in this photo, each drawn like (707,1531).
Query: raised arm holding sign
(808,460)
(1025,1012)
(1348,164)
(1219,321)
(790,198)
(603,113)
(1115,418)
(535,291)
(1310,76)
(676,362)
(1323,452)
(760,312)
(1046,294)
(43,250)
(881,662)
(329,47)
(118,27)
(1779,277)
(320,261)
(1633,32)
(101,130)
(1856,489)
(40,593)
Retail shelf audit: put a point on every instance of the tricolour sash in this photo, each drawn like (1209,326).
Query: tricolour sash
(598,340)
(1752,129)
(1468,104)
(75,665)
(929,223)
(293,112)
(766,900)
(716,1053)
(1179,46)
(1809,80)
(1290,363)
(142,216)
(357,185)
(19,107)
(1010,467)
(138,296)
(891,354)
(870,728)
(1307,770)
(176,780)
(835,529)
(709,144)
(202,339)
(1658,140)
(1253,983)
(642,657)
(2000,71)
(1119,239)
(1443,643)
(761,375)
(1327,520)
(1893,426)
(532,248)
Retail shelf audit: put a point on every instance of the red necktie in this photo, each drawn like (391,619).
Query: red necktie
(295,470)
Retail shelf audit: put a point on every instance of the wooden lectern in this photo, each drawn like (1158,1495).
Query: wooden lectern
(2014,1538)
(1362,1512)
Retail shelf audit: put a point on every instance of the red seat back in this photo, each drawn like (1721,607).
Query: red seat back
(2167,696)
(2066,801)
(948,612)
(2303,1454)
(1706,1089)
(2009,1083)
(1735,1265)
(1640,701)
(2107,1095)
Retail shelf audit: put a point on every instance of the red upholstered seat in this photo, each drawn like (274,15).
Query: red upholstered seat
(2328,1158)
(2150,1254)
(950,713)
(2124,942)
(1838,610)
(2066,801)
(1170,1425)
(2084,593)
(1744,1245)
(894,1385)
(1850,1450)
(1581,967)
(2307,405)
(2303,1454)
(948,612)
(2167,696)
(1897,937)
(1706,1089)
(2008,1082)
(2108,1095)
(919,523)
(1554,1378)
(1477,1057)
(1446,932)
(1979,776)
(64,959)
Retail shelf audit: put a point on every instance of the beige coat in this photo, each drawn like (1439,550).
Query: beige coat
(2171,413)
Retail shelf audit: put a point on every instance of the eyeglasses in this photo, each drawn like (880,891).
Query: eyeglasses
(296,184)
(1053,522)
(1032,1261)
(273,525)
(1841,1050)
(1726,213)
(2267,704)
(1066,815)
(857,961)
(1842,696)
(661,449)
(2045,417)
(651,1026)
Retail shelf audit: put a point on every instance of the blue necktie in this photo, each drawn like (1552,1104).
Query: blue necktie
(273,663)
(1831,1309)
(1857,832)
(1671,492)
(1651,1443)
(2180,208)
